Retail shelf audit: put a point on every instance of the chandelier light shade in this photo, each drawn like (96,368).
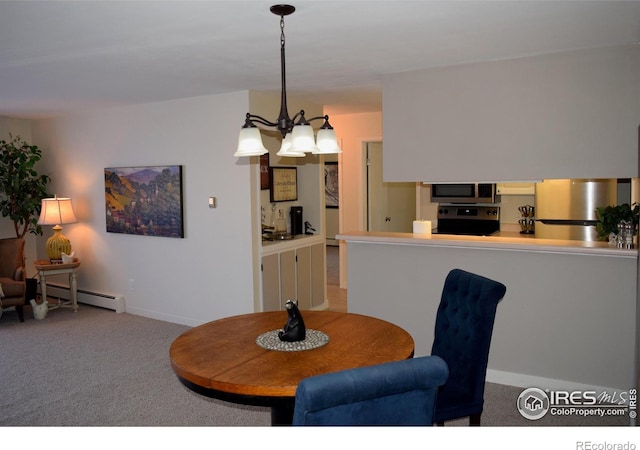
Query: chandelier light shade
(57,211)
(250,143)
(297,133)
(327,142)
(302,139)
(285,149)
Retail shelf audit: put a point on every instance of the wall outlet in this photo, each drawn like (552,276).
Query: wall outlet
(132,284)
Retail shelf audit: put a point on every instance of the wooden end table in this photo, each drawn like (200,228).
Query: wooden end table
(46,268)
(222,360)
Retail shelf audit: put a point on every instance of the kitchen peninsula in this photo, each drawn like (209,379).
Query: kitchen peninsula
(568,319)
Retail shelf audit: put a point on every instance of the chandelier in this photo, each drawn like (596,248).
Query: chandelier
(297,133)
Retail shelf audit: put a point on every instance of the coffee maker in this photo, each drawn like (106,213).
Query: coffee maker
(295,214)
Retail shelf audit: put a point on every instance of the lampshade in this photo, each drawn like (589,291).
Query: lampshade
(285,148)
(250,143)
(302,139)
(56,211)
(327,142)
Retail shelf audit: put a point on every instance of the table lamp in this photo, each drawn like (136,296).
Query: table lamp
(56,211)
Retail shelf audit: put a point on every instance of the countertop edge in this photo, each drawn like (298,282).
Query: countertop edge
(301,240)
(491,243)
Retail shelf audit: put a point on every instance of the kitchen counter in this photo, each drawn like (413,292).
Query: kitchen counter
(506,240)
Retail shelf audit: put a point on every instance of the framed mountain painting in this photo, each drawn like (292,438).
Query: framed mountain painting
(145,200)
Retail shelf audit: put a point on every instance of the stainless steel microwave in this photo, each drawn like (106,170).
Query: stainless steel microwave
(463,193)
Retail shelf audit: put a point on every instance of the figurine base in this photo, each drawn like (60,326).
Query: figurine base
(271,341)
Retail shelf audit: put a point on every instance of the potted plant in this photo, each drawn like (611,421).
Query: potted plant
(610,216)
(21,187)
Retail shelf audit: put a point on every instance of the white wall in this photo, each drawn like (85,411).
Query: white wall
(548,326)
(353,130)
(565,115)
(15,127)
(208,274)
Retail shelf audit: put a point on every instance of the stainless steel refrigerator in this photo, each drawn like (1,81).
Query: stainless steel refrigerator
(566,209)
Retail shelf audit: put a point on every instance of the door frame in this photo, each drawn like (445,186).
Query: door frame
(364,185)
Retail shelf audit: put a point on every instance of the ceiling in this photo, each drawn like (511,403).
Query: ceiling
(60,57)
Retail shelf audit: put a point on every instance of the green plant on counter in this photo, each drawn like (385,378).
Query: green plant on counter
(21,187)
(609,217)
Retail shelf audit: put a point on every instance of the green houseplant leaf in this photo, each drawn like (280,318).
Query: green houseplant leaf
(610,216)
(21,187)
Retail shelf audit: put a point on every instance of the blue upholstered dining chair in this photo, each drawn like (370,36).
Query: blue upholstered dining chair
(395,393)
(464,325)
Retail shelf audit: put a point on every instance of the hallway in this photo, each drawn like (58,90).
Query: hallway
(337,297)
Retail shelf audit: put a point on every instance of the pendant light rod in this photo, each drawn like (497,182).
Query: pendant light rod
(284,122)
(250,142)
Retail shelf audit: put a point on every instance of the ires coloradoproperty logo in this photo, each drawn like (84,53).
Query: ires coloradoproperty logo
(535,403)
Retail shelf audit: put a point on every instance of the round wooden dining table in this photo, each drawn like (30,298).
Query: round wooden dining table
(221,359)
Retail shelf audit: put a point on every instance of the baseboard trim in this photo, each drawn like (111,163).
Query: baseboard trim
(527,381)
(107,301)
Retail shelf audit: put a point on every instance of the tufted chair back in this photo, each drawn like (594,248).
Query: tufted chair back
(394,393)
(464,325)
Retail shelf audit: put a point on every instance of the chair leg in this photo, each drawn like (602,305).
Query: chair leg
(474,420)
(20,310)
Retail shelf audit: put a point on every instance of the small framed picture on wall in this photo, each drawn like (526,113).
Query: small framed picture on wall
(284,184)
(331,193)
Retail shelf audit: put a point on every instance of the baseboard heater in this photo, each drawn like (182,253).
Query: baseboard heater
(107,301)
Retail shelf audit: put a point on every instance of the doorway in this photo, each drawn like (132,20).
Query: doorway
(389,207)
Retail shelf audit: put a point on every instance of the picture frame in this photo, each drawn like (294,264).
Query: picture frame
(283,184)
(264,172)
(144,200)
(331,192)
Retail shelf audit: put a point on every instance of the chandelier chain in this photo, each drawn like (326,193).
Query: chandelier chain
(282,31)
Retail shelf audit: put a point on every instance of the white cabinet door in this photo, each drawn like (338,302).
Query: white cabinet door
(271,283)
(303,275)
(288,289)
(516,188)
(294,274)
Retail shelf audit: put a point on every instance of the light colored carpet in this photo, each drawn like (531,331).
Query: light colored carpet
(99,368)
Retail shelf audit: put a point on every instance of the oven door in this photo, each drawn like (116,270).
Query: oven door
(468,227)
(470,220)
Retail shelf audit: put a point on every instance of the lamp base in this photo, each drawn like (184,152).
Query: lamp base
(57,244)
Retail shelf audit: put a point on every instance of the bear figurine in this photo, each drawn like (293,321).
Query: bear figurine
(294,329)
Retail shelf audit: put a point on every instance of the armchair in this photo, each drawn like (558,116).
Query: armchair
(13,274)
(395,393)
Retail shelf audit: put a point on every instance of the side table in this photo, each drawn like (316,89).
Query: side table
(45,268)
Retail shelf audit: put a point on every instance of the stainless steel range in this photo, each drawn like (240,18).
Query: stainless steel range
(468,219)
